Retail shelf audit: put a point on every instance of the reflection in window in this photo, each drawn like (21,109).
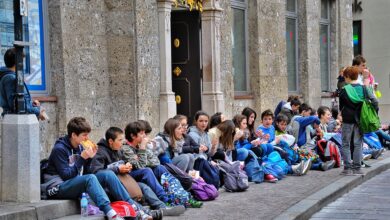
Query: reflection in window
(33,33)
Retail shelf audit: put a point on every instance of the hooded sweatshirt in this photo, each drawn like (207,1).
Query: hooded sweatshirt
(8,90)
(200,137)
(105,158)
(65,160)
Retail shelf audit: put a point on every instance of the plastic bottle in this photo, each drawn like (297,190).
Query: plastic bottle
(84,205)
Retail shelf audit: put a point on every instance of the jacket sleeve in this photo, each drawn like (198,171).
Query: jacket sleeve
(9,83)
(59,157)
(152,160)
(190,146)
(131,157)
(142,159)
(99,163)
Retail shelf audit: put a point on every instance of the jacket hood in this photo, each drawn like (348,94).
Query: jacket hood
(103,143)
(194,129)
(287,105)
(354,93)
(65,141)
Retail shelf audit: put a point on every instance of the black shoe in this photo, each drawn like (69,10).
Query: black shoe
(156,214)
(375,154)
(365,165)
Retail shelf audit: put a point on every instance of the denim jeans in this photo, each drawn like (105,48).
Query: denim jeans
(158,171)
(372,140)
(352,140)
(147,176)
(73,188)
(242,154)
(151,197)
(184,161)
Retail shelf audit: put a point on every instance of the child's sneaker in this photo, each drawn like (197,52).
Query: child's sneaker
(270,178)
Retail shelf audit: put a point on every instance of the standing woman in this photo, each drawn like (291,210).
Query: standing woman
(351,99)
(198,133)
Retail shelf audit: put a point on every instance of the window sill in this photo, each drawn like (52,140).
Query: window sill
(242,97)
(46,98)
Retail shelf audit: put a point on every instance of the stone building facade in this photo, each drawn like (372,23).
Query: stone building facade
(110,60)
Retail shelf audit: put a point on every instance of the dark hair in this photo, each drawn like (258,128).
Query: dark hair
(169,128)
(133,128)
(304,107)
(247,112)
(215,119)
(280,118)
(78,125)
(146,126)
(10,57)
(112,133)
(335,111)
(237,119)
(321,110)
(267,112)
(295,102)
(352,72)
(227,129)
(359,59)
(200,113)
(291,97)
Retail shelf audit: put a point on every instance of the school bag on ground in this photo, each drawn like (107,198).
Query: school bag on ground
(176,193)
(208,172)
(203,191)
(254,170)
(274,158)
(327,150)
(131,186)
(235,179)
(183,177)
(124,209)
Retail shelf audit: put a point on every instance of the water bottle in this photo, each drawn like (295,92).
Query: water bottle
(84,205)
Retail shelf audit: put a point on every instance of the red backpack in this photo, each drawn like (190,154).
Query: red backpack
(124,209)
(327,150)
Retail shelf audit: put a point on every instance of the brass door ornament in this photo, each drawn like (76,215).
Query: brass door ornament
(177,71)
(178,99)
(176,42)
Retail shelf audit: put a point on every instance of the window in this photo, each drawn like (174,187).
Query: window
(357,38)
(34,66)
(239,46)
(292,45)
(325,46)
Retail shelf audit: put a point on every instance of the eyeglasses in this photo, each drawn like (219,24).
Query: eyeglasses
(184,126)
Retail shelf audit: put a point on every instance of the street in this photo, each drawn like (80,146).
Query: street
(370,200)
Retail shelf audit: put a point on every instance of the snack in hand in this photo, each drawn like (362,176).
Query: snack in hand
(88,144)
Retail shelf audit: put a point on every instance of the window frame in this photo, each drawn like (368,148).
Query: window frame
(243,5)
(44,88)
(326,22)
(294,16)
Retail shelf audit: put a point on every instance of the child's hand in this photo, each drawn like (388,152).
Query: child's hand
(203,148)
(144,142)
(124,168)
(266,137)
(259,133)
(256,142)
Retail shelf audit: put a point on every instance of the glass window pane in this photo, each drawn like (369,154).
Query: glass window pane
(238,50)
(33,66)
(324,9)
(291,47)
(290,5)
(324,57)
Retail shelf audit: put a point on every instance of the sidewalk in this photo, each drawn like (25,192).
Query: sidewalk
(291,198)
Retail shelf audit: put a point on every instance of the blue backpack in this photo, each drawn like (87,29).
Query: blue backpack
(273,160)
(253,169)
(176,193)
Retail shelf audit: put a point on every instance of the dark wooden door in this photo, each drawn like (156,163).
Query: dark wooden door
(186,71)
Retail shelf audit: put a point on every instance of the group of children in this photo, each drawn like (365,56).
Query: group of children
(292,140)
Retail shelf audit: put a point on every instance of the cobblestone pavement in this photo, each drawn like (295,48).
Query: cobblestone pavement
(370,200)
(265,200)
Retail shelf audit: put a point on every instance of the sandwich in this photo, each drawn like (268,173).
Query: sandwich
(88,144)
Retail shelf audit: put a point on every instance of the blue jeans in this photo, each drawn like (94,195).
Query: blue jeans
(73,188)
(185,162)
(151,197)
(147,176)
(372,140)
(242,154)
(158,171)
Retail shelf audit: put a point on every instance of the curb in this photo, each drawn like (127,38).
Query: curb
(313,203)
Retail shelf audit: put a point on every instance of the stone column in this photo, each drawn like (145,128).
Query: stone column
(20,150)
(309,55)
(212,97)
(167,97)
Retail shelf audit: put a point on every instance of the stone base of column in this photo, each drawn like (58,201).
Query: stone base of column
(20,150)
(167,107)
(213,102)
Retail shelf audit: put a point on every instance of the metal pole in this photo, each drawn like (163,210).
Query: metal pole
(20,107)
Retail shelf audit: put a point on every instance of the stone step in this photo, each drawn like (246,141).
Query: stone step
(45,209)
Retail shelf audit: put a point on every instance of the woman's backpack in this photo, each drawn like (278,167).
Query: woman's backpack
(208,172)
(235,179)
(203,191)
(253,169)
(183,177)
(327,150)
